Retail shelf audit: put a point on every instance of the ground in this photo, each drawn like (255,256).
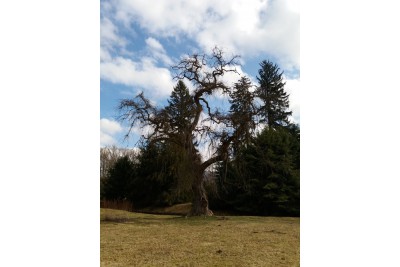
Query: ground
(136,239)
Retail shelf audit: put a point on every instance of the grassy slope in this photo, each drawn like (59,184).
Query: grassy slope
(134,239)
(178,209)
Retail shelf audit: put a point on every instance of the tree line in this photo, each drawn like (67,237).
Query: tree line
(254,166)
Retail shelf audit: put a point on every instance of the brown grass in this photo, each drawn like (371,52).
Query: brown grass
(134,239)
(116,204)
(178,209)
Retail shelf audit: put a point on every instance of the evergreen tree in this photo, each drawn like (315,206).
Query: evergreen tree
(264,178)
(117,186)
(152,180)
(181,107)
(278,167)
(242,111)
(274,110)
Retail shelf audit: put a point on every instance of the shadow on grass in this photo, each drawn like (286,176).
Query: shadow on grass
(125,217)
(138,219)
(145,219)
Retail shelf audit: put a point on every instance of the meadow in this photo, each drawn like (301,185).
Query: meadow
(138,239)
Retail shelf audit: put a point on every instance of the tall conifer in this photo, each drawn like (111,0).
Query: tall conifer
(274,110)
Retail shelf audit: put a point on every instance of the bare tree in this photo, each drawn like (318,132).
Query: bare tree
(205,72)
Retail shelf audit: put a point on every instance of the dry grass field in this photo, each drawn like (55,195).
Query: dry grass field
(136,239)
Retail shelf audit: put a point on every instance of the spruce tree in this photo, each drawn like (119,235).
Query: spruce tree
(242,111)
(274,110)
(180,108)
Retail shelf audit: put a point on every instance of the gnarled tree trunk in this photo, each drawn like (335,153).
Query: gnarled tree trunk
(200,200)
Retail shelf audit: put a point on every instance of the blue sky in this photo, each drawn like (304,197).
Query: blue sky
(140,40)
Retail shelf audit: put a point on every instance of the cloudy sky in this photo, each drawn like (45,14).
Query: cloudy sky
(140,40)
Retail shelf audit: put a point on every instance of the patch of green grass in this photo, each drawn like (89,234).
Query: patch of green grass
(135,239)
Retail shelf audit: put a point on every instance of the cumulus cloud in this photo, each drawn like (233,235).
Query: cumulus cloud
(261,27)
(230,78)
(157,51)
(140,74)
(108,128)
(154,44)
(293,88)
(105,54)
(142,131)
(246,26)
(109,36)
(106,140)
(137,73)
(163,17)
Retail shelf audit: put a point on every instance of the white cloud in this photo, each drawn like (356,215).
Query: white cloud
(157,51)
(109,34)
(230,78)
(154,44)
(245,27)
(105,54)
(158,82)
(240,27)
(293,88)
(248,27)
(145,131)
(163,17)
(108,128)
(255,28)
(106,140)
(293,5)
(133,73)
(141,73)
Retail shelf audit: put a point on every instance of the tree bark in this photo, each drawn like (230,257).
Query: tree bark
(200,200)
